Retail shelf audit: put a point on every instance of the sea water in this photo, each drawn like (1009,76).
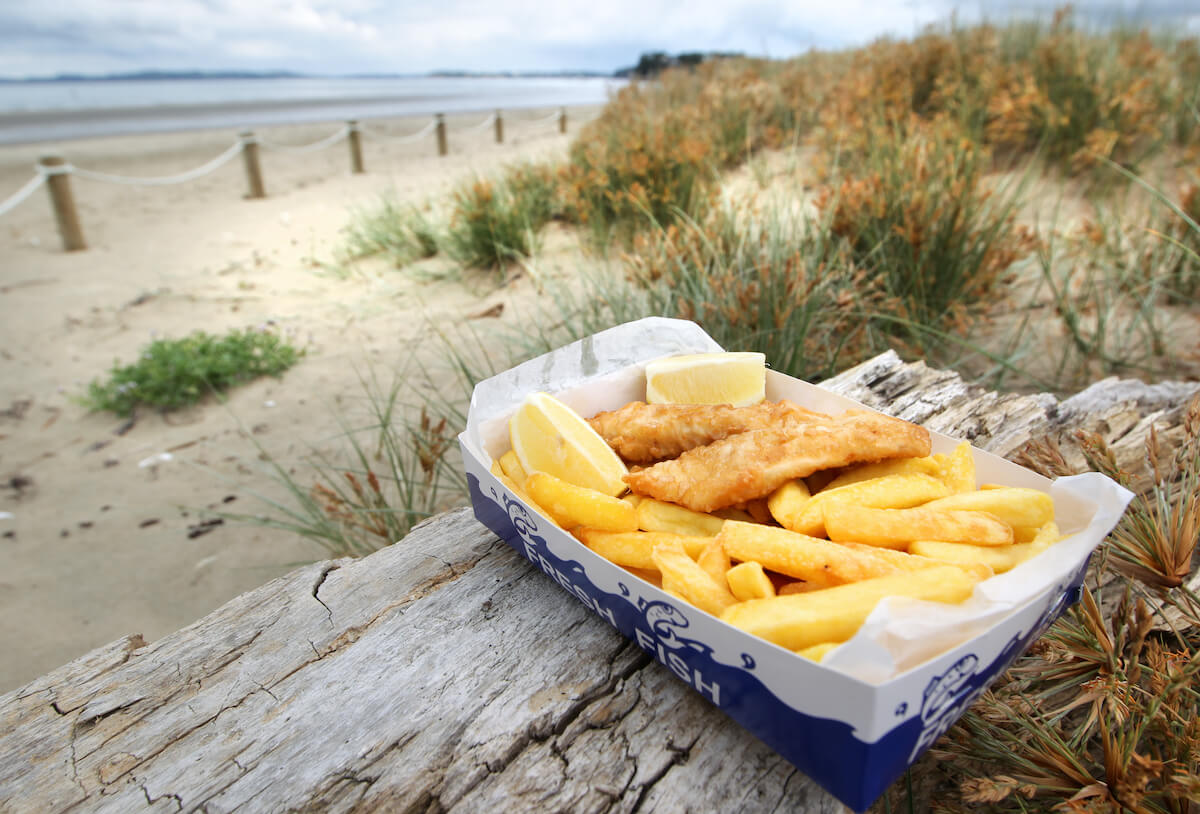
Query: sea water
(62,109)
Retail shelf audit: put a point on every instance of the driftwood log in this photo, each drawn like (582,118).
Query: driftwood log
(445,673)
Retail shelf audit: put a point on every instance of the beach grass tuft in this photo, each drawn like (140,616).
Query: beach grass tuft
(915,213)
(365,489)
(495,221)
(402,233)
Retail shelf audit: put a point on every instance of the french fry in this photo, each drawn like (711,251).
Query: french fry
(817,651)
(787,503)
(899,491)
(747,580)
(512,467)
(741,515)
(799,621)
(714,560)
(570,505)
(683,577)
(911,561)
(632,499)
(998,558)
(958,471)
(797,587)
(815,561)
(1024,534)
(820,479)
(1048,534)
(894,466)
(514,488)
(658,515)
(1018,507)
(635,549)
(896,528)
(651,575)
(759,510)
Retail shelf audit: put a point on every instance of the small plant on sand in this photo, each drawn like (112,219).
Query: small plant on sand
(644,161)
(174,373)
(1184,234)
(401,232)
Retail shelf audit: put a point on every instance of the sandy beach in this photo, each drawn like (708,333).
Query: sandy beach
(99,527)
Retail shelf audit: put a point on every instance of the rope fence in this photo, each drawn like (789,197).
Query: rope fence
(18,197)
(54,172)
(143,181)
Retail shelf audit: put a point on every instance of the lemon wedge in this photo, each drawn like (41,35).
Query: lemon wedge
(548,436)
(739,379)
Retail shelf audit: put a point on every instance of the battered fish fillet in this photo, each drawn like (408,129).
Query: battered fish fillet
(753,464)
(642,433)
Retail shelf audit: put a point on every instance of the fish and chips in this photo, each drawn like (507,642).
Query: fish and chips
(788,523)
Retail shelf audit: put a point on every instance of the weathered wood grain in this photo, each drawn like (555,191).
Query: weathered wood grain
(442,673)
(446,674)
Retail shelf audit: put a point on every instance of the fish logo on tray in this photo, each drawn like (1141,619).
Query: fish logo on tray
(659,636)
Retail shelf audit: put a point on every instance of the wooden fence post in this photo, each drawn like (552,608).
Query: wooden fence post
(356,162)
(441,134)
(63,203)
(253,171)
(499,128)
(562,120)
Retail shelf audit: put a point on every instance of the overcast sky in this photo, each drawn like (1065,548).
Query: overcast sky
(376,36)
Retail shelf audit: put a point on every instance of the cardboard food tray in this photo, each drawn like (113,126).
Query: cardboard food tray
(856,720)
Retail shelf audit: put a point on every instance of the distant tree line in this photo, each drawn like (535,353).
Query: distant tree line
(652,63)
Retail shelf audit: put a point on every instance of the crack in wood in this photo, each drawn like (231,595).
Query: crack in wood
(210,796)
(452,572)
(152,800)
(177,738)
(75,759)
(678,756)
(316,589)
(233,656)
(535,736)
(783,791)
